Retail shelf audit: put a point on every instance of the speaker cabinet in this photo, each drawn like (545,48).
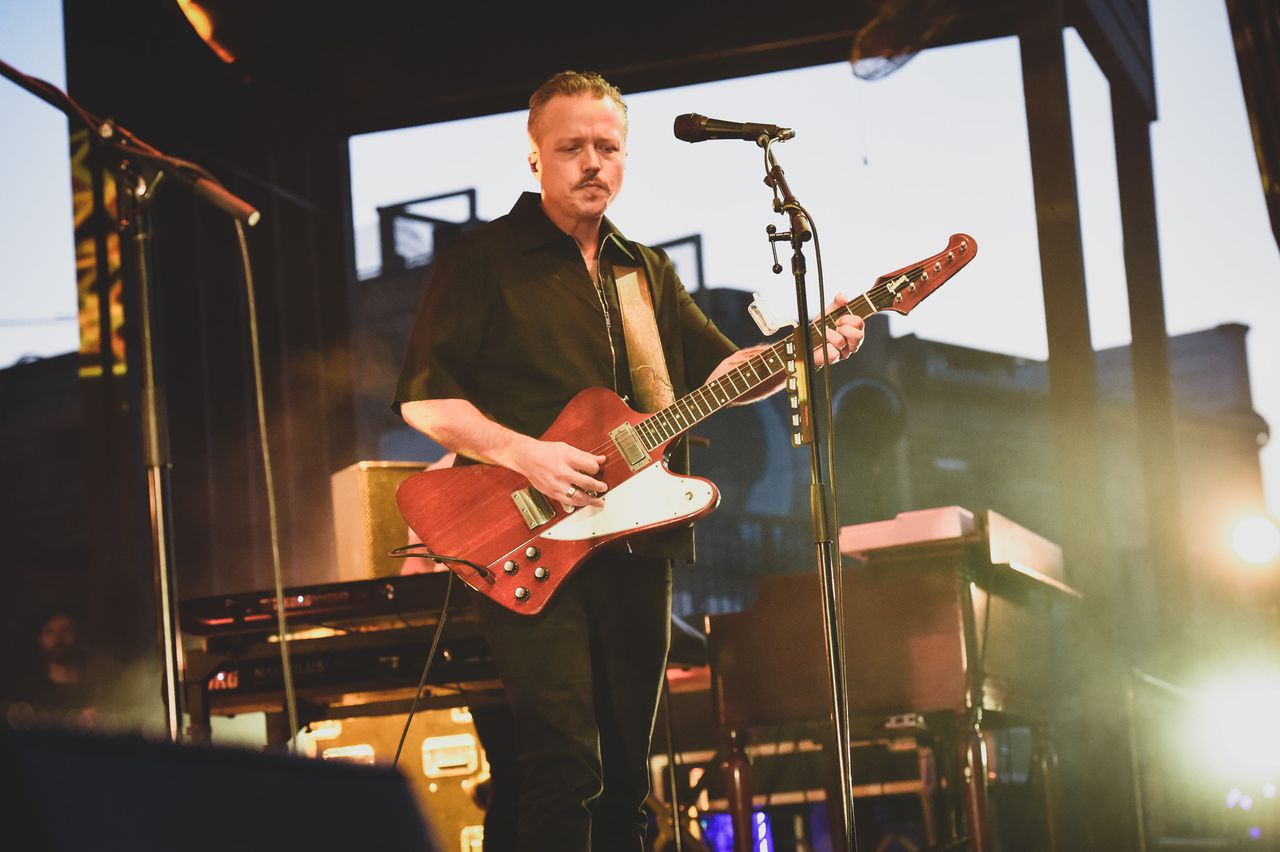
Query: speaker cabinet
(365,518)
(442,757)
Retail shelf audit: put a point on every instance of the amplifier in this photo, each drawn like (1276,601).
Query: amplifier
(442,758)
(365,519)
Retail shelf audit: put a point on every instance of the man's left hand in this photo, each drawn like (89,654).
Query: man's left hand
(845,338)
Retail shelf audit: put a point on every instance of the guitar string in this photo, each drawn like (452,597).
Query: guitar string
(690,402)
(739,374)
(666,416)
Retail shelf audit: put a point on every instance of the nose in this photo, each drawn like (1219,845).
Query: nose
(590,159)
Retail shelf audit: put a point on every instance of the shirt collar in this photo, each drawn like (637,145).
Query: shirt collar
(534,229)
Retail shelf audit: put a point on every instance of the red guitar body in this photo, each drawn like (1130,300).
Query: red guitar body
(471,512)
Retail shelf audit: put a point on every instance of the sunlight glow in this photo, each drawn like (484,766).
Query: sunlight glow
(1256,540)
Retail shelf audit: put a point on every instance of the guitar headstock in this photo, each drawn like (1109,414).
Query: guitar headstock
(902,290)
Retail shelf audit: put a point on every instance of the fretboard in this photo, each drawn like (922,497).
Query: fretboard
(692,408)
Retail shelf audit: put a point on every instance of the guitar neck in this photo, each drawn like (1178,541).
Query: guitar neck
(692,408)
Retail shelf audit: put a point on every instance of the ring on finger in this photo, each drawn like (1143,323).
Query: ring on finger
(573,489)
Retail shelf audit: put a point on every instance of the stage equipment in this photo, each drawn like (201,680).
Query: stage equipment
(950,619)
(359,649)
(365,521)
(141,170)
(907,288)
(358,652)
(692,127)
(443,762)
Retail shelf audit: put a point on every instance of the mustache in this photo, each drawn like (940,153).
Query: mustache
(592,181)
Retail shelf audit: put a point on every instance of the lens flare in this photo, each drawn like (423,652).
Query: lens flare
(1256,540)
(1233,728)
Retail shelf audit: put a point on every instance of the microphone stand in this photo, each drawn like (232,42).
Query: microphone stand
(140,170)
(784,201)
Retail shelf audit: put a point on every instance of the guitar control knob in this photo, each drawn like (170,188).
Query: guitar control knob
(541,572)
(532,552)
(522,594)
(510,567)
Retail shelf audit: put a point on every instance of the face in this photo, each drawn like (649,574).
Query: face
(579,157)
(58,639)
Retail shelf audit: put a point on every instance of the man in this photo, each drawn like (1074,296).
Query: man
(520,315)
(63,679)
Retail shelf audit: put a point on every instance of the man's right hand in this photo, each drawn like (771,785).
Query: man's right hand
(560,471)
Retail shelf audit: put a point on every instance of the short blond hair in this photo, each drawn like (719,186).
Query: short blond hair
(573,84)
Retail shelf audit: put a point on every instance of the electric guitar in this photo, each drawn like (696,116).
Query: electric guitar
(519,545)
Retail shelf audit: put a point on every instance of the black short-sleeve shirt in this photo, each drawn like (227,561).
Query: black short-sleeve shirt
(512,322)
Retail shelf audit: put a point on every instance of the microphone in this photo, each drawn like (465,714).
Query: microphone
(692,127)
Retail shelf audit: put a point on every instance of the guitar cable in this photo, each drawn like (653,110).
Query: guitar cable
(834,522)
(404,552)
(834,518)
(419,551)
(269,485)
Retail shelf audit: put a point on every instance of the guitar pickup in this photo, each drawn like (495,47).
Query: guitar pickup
(628,443)
(534,507)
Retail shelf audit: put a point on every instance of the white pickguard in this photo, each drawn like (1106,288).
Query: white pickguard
(650,497)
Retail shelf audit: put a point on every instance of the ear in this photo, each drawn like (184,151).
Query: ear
(533,162)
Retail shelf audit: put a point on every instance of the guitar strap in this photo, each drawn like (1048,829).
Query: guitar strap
(650,381)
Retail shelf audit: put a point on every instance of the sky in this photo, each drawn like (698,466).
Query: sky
(889,169)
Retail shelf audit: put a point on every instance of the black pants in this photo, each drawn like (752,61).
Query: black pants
(583,679)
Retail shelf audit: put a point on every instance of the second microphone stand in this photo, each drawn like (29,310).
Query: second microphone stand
(819,490)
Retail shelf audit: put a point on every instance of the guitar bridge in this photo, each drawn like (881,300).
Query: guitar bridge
(628,443)
(534,507)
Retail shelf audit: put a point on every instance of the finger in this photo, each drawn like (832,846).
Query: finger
(836,341)
(838,301)
(828,354)
(580,497)
(586,462)
(853,329)
(584,483)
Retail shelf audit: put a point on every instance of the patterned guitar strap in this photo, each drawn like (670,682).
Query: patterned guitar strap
(650,381)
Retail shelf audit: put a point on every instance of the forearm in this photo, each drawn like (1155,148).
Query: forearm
(457,425)
(553,467)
